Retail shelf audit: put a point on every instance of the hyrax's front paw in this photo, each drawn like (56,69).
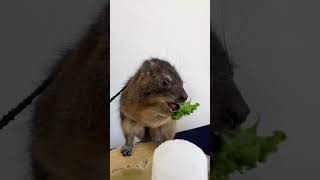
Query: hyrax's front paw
(126,150)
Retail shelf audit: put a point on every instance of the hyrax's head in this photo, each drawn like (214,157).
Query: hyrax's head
(160,86)
(229,107)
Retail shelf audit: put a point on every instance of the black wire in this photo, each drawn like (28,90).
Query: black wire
(24,103)
(116,95)
(27,101)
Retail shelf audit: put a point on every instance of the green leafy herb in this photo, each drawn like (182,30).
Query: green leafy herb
(185,109)
(243,149)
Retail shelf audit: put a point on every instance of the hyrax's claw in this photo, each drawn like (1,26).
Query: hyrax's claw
(126,150)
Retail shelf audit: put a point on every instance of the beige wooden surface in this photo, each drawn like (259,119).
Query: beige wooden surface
(138,166)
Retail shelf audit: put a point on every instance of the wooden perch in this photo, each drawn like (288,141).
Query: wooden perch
(138,166)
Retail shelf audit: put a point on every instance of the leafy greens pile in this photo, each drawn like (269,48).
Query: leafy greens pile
(243,149)
(185,109)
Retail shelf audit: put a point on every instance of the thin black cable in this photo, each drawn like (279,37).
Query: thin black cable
(24,103)
(27,101)
(116,95)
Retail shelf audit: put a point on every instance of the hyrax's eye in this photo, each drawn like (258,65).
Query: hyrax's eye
(165,83)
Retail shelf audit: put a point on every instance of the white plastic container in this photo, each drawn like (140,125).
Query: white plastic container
(179,160)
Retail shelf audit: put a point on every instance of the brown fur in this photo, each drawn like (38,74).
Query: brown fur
(144,103)
(69,132)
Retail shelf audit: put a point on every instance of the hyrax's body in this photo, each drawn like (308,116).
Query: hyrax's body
(148,101)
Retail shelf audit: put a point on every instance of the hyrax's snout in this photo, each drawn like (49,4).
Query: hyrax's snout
(183,96)
(238,112)
(238,109)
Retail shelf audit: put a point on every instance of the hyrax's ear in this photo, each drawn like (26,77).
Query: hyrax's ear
(149,67)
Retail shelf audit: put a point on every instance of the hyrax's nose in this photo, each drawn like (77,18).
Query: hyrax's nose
(183,96)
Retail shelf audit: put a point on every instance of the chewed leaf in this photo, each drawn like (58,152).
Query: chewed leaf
(185,108)
(243,149)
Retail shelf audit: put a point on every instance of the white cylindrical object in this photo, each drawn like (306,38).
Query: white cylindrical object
(179,160)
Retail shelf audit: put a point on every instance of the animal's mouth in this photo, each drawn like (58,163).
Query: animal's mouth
(173,107)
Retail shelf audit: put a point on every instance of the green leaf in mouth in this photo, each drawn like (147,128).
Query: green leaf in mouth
(185,109)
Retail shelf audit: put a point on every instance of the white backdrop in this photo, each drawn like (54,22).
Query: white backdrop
(174,30)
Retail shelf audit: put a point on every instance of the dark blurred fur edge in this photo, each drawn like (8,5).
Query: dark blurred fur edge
(69,138)
(228,107)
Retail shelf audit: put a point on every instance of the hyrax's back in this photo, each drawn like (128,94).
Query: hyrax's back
(69,132)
